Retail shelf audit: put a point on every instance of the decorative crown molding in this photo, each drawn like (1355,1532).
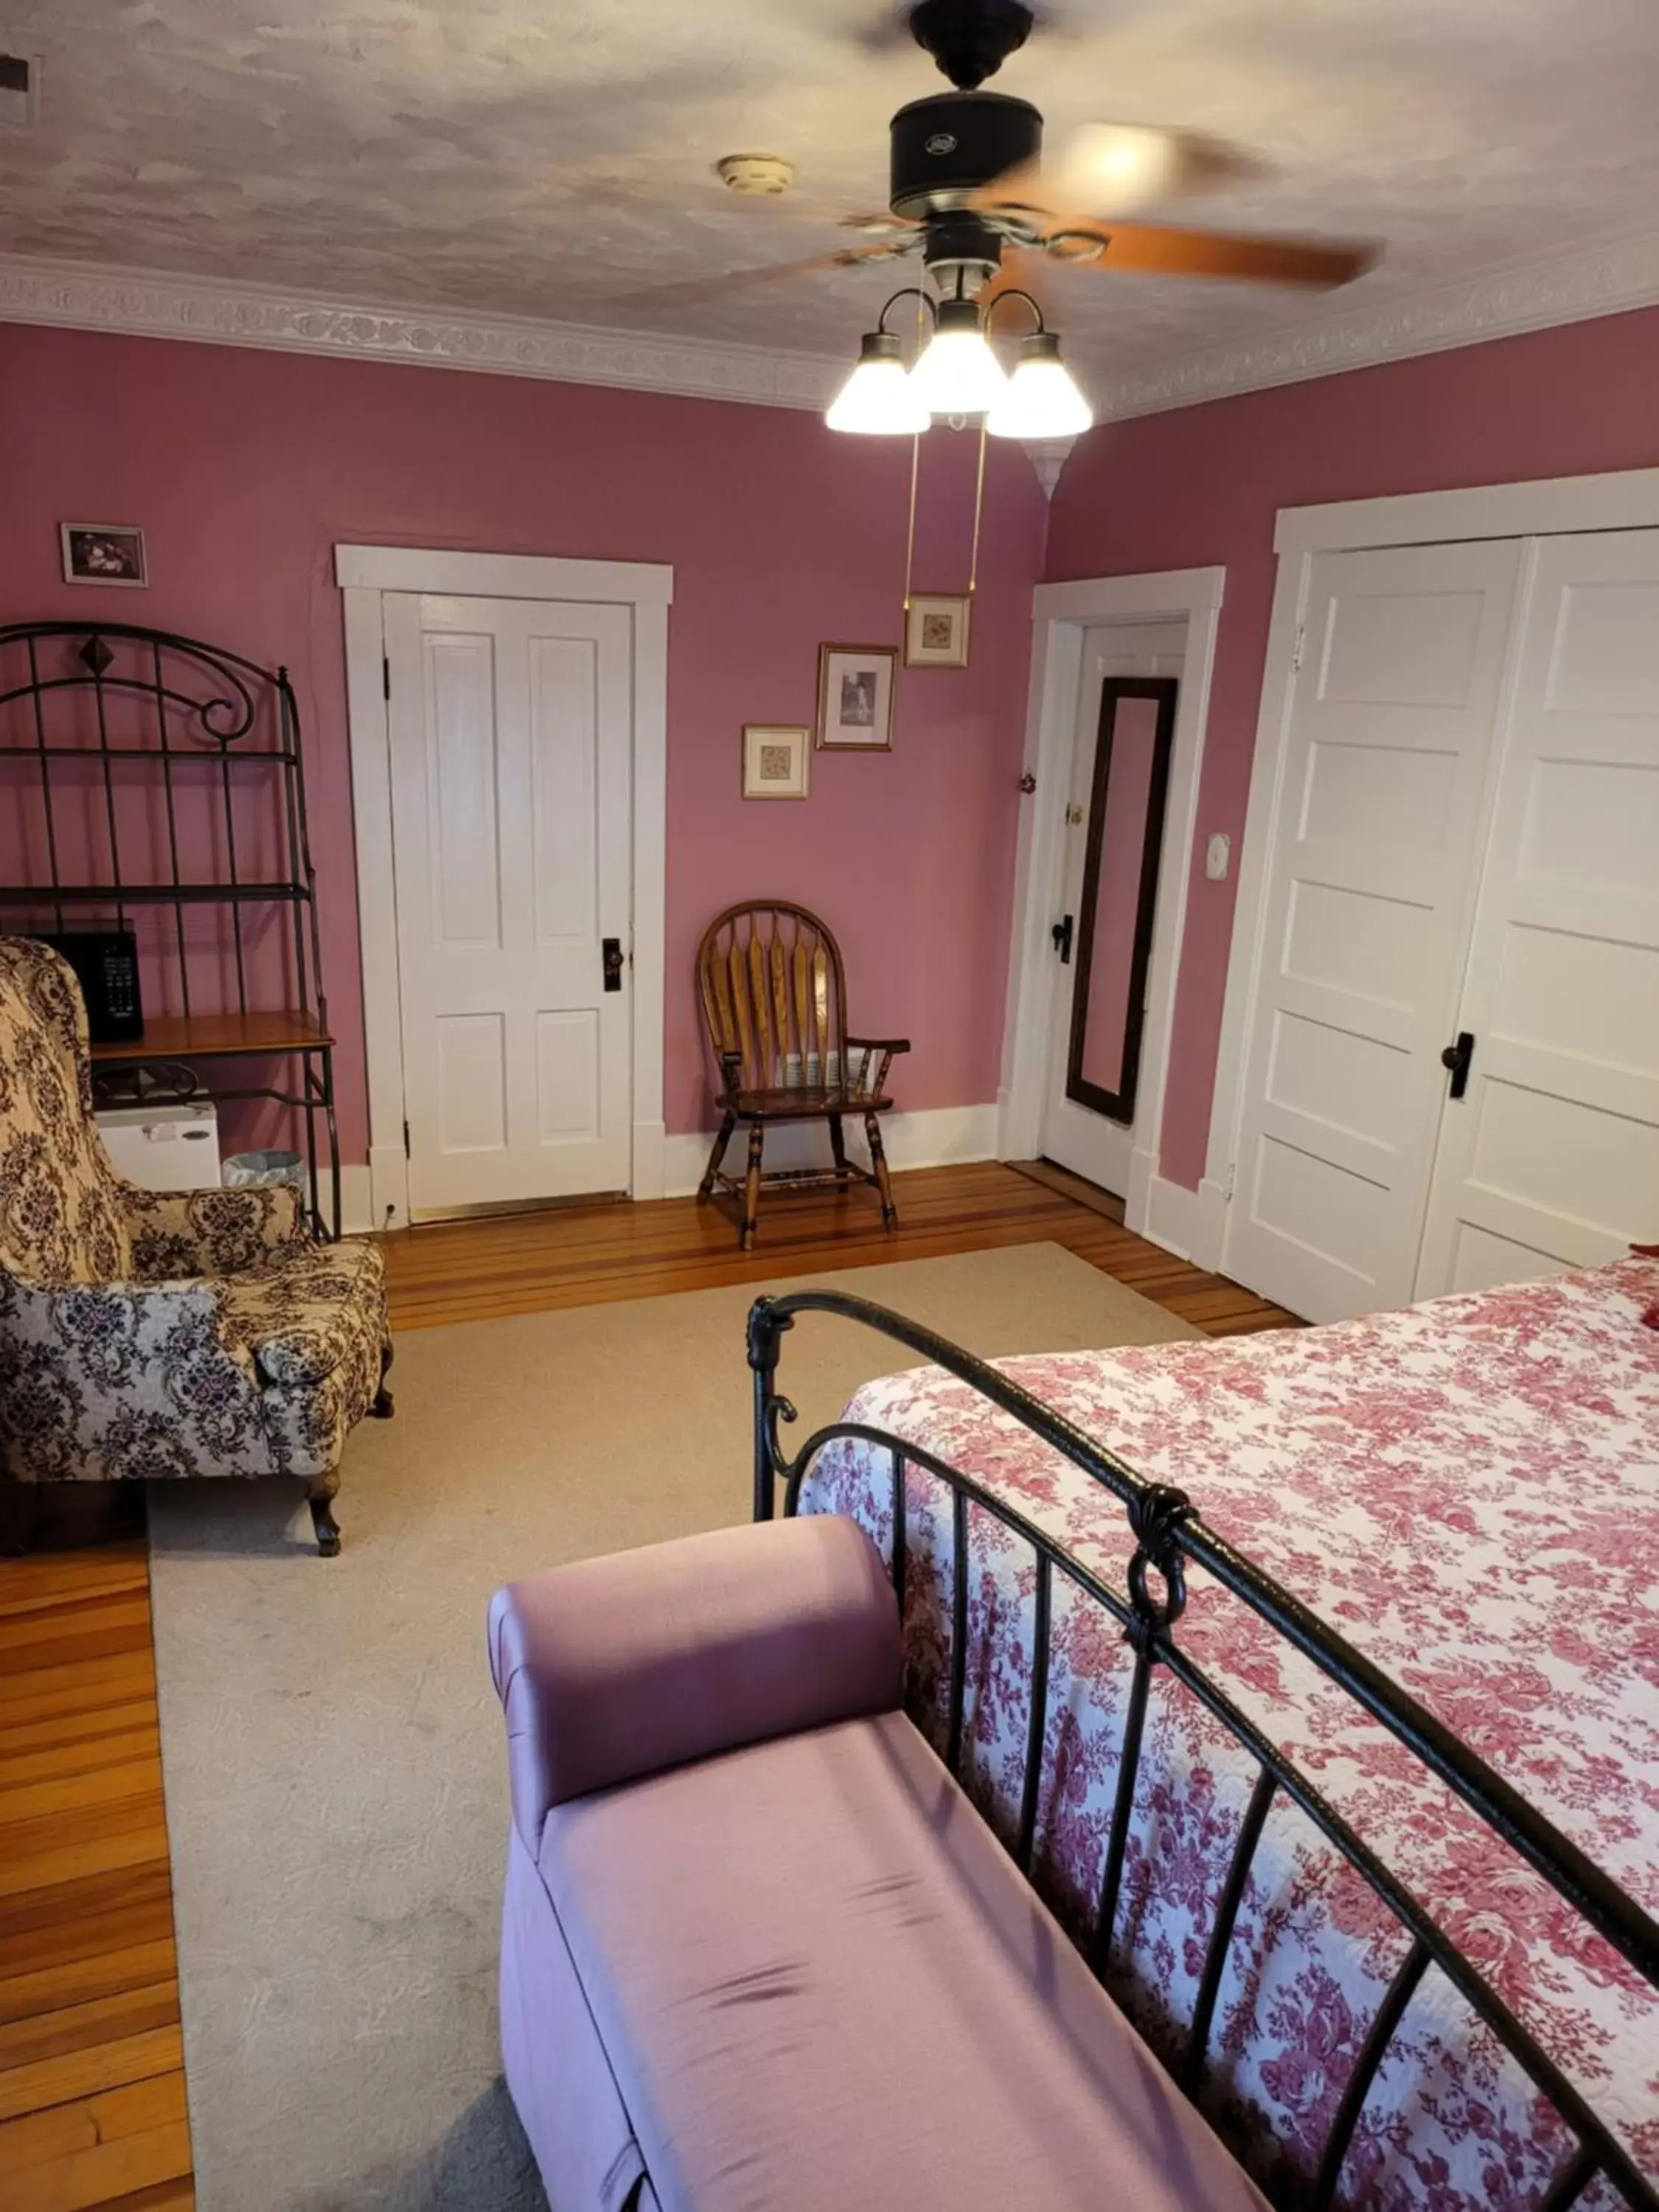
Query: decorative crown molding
(1567,288)
(1534,295)
(142,303)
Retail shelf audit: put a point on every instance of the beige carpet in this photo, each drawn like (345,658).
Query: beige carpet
(331,1746)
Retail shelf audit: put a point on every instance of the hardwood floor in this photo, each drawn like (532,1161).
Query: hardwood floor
(92,2086)
(591,1254)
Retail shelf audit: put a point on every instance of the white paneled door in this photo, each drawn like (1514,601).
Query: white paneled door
(1551,1157)
(1384,793)
(510,723)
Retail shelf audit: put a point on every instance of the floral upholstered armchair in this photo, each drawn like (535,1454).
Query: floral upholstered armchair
(159,1333)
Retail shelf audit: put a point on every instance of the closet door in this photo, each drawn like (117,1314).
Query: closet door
(1550,1160)
(1378,821)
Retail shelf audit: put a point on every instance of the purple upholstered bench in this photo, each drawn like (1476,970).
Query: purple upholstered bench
(758,1949)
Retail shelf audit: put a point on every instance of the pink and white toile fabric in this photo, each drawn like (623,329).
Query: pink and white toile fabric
(1468,1490)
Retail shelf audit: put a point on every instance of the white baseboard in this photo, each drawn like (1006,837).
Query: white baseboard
(1213,1200)
(937,1136)
(1188,1223)
(388,1191)
(650,1140)
(1017,1127)
(356,1199)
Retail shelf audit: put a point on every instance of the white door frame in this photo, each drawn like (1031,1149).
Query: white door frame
(1626,499)
(1061,614)
(363,574)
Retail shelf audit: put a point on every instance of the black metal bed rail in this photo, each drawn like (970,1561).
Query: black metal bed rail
(1167,1533)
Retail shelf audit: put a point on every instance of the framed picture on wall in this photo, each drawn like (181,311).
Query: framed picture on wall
(936,630)
(774,760)
(103,553)
(855,698)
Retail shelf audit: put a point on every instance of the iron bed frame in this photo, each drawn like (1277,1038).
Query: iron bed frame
(1169,1533)
(201,701)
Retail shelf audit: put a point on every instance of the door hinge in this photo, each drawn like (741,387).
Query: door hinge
(406,1152)
(1295,651)
(386,674)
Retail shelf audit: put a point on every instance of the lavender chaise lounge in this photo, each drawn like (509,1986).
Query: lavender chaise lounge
(759,1951)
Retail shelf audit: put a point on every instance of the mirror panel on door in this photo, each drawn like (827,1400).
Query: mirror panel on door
(1120,891)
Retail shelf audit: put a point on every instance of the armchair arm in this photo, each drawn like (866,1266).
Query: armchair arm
(619,1666)
(889,1048)
(209,1232)
(109,1381)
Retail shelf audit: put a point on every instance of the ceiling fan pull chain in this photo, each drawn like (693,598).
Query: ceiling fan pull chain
(979,509)
(916,467)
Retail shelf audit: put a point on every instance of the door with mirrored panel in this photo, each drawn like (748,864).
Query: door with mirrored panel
(1114,822)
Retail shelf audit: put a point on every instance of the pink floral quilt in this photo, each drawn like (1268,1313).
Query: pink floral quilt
(1469,1490)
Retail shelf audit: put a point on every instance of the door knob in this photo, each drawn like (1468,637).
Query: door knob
(611,949)
(1456,1060)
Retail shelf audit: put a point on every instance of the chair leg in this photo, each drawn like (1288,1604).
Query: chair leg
(751,1188)
(706,1187)
(383,1407)
(322,1520)
(883,1180)
(838,1146)
(19,1512)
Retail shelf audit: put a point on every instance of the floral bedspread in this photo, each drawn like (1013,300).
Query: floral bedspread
(1469,1490)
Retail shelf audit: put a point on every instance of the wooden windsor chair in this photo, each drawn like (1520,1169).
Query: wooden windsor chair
(773,995)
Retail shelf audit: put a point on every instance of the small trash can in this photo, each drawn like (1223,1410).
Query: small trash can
(269,1166)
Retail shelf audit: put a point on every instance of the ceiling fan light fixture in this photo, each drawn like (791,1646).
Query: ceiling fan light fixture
(958,374)
(1040,399)
(877,399)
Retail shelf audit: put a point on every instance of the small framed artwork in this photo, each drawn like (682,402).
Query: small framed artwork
(774,760)
(855,698)
(103,553)
(936,631)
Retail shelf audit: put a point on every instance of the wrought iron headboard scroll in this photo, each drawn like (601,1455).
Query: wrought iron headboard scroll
(1169,1533)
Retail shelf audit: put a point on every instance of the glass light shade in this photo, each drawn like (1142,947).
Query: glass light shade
(877,400)
(958,373)
(1040,399)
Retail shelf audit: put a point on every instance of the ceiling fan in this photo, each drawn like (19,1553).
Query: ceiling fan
(968,185)
(970,192)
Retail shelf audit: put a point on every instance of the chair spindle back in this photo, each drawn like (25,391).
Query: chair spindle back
(774,996)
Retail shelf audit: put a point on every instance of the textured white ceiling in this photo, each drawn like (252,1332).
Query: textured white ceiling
(545,158)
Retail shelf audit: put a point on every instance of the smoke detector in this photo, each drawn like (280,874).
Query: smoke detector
(20,87)
(756,176)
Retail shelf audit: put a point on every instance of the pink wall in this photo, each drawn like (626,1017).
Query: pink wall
(1202,485)
(246,469)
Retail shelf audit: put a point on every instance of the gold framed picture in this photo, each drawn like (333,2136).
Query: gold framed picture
(855,698)
(103,553)
(936,630)
(774,760)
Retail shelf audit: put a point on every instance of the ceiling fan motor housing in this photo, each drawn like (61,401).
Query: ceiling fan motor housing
(946,147)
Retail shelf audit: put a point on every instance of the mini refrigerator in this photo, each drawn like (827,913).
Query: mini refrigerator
(164,1148)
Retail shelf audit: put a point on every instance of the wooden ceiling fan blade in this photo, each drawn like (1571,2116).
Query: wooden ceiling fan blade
(1165,250)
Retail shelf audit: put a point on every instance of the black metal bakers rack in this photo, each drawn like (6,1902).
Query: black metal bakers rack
(114,737)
